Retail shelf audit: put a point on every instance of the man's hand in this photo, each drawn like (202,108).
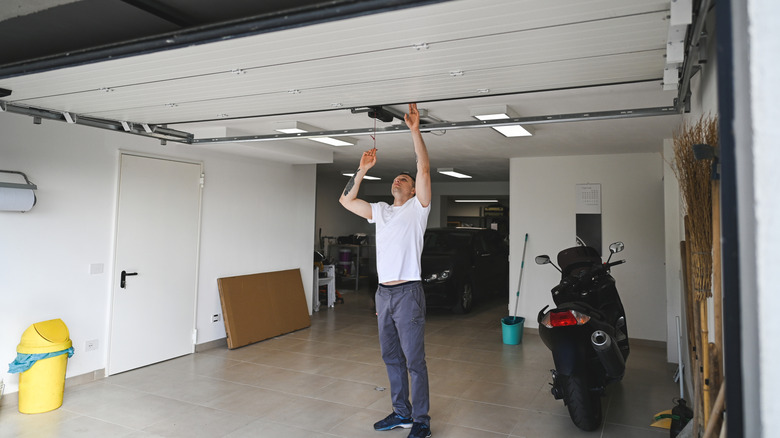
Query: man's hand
(349,198)
(412,118)
(368,159)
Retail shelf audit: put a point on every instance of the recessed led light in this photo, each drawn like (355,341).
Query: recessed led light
(452,172)
(496,116)
(295,127)
(513,131)
(501,112)
(332,141)
(483,201)
(370,178)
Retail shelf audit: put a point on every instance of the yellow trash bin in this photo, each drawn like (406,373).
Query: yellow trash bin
(41,387)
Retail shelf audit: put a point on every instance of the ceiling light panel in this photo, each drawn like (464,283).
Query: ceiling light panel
(367,177)
(453,173)
(477,201)
(513,131)
(334,141)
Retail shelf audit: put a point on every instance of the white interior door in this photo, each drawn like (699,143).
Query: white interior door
(153,314)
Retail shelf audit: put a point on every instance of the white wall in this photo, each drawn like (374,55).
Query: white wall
(542,204)
(764,95)
(257,216)
(674,234)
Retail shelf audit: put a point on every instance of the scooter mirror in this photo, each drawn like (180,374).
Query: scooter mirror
(542,259)
(616,247)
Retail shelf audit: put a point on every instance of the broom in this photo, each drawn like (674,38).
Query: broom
(694,175)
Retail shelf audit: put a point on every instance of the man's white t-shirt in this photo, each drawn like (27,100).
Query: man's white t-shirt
(399,239)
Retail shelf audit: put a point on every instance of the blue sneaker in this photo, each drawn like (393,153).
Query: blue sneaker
(420,430)
(392,421)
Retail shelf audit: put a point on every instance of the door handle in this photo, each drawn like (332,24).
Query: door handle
(124,276)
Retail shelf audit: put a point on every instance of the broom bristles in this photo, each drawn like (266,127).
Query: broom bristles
(695,178)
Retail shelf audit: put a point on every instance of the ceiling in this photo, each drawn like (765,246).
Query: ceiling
(585,75)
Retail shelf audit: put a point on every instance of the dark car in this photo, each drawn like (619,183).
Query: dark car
(460,265)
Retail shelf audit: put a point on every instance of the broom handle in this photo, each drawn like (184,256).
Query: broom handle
(679,358)
(520,281)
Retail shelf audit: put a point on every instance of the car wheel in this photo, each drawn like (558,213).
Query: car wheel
(464,297)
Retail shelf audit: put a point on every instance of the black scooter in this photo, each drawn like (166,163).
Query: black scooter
(586,333)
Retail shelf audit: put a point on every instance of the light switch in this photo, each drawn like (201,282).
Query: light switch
(96,268)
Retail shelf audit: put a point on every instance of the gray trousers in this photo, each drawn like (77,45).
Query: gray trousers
(401,317)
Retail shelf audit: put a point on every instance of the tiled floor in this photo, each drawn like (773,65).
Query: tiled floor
(327,381)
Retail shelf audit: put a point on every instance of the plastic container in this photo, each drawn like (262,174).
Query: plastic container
(41,387)
(512,328)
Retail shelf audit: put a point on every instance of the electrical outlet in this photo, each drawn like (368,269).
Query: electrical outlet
(215,318)
(91,345)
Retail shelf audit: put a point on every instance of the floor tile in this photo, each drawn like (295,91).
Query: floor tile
(200,421)
(328,381)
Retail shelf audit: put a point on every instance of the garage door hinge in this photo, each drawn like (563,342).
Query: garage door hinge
(202,179)
(194,336)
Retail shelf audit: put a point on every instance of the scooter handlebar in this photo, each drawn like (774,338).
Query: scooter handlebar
(579,281)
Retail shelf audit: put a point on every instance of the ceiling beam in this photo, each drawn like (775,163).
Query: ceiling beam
(162,132)
(470,124)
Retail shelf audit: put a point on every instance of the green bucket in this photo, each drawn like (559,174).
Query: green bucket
(513,329)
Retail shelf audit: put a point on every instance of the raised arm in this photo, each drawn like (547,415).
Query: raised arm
(423,178)
(349,197)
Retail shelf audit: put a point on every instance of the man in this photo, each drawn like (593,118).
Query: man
(400,302)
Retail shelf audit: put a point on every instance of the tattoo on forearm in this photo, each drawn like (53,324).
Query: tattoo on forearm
(350,184)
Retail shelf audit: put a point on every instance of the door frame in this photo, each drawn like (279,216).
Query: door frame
(115,249)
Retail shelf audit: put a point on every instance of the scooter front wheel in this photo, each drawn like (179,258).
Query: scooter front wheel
(584,404)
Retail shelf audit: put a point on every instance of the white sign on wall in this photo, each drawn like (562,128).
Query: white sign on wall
(588,215)
(588,199)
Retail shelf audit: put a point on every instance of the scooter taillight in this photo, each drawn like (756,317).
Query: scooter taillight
(563,318)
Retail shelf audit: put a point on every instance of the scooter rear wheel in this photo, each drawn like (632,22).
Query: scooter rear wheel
(583,403)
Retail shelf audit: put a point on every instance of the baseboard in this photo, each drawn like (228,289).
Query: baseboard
(12,398)
(216,343)
(85,378)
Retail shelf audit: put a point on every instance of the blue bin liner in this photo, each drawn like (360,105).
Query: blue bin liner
(24,362)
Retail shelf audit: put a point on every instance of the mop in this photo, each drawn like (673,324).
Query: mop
(520,281)
(513,319)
